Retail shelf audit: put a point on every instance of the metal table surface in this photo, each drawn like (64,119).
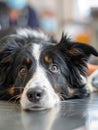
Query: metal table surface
(77,114)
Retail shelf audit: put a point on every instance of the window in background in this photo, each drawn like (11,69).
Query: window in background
(85,6)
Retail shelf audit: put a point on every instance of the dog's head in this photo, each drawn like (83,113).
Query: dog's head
(41,72)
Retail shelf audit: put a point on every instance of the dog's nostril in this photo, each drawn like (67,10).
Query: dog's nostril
(35,94)
(29,95)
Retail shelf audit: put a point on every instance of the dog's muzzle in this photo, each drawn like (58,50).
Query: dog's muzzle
(38,98)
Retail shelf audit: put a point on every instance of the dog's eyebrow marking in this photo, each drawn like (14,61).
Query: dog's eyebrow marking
(27,60)
(48,59)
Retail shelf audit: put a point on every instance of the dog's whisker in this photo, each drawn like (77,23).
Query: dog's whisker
(14,97)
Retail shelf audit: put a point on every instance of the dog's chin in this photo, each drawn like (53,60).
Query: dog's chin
(36,108)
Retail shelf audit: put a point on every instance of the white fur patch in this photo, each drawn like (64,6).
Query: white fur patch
(24,32)
(36,51)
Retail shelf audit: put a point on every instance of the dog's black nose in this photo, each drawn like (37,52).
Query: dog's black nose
(35,94)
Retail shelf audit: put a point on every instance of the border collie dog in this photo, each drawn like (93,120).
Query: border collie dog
(40,72)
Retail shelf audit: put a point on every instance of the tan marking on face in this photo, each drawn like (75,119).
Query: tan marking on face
(48,59)
(71,91)
(11,91)
(56,88)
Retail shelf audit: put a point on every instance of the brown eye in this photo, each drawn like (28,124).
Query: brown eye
(23,71)
(54,68)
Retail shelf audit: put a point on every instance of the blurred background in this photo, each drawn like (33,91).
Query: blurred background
(77,18)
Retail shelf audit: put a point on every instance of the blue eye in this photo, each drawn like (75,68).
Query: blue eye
(54,68)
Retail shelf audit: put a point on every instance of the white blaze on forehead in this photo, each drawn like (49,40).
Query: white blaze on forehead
(40,74)
(36,51)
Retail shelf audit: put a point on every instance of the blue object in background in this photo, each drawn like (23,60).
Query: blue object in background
(16,4)
(49,24)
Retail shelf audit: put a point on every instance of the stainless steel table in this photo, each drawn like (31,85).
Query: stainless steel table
(77,114)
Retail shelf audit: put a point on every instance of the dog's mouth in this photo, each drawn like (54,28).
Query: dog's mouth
(37,108)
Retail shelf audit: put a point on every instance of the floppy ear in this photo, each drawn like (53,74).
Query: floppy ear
(7,54)
(6,61)
(76,56)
